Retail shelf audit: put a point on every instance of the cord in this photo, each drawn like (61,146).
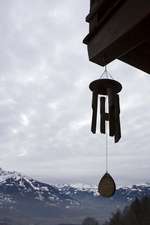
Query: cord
(106,149)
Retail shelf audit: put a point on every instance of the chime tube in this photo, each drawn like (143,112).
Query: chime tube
(94,114)
(117,119)
(111,106)
(118,131)
(102,115)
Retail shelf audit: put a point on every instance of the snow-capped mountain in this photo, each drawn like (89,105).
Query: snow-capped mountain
(22,195)
(14,186)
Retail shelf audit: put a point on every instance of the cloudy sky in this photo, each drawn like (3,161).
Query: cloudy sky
(45,102)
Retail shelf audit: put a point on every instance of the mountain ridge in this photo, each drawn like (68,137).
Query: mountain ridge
(61,203)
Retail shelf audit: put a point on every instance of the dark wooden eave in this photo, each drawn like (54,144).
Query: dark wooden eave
(119,29)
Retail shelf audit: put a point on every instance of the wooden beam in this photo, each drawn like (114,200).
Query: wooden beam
(123,31)
(139,57)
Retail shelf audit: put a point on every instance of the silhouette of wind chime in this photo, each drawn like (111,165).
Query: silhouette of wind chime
(107,88)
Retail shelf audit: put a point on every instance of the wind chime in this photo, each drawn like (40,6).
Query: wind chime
(107,88)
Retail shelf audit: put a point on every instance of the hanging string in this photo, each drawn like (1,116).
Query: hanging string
(106,149)
(106,74)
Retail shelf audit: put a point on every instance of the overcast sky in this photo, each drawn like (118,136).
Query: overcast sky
(45,102)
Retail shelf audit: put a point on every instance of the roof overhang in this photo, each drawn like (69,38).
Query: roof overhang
(119,29)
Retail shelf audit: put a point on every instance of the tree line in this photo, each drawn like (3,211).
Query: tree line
(138,213)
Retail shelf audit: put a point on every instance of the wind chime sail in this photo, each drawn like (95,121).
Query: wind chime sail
(107,186)
(110,88)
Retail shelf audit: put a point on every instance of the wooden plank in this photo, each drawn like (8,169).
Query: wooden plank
(139,57)
(121,33)
(99,13)
(121,46)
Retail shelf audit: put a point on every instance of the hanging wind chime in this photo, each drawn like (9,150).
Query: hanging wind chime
(107,88)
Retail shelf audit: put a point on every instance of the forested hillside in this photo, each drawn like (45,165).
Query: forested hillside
(138,213)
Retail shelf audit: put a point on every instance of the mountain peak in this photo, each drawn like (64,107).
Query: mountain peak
(4,175)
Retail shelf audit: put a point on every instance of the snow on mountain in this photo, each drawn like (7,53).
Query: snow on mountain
(78,187)
(22,195)
(19,186)
(4,175)
(15,185)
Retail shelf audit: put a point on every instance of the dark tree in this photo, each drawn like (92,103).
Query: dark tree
(90,221)
(138,213)
(116,219)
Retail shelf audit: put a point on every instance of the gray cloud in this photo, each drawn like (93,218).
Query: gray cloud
(45,107)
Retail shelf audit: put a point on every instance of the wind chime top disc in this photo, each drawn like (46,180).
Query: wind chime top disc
(101,86)
(107,186)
